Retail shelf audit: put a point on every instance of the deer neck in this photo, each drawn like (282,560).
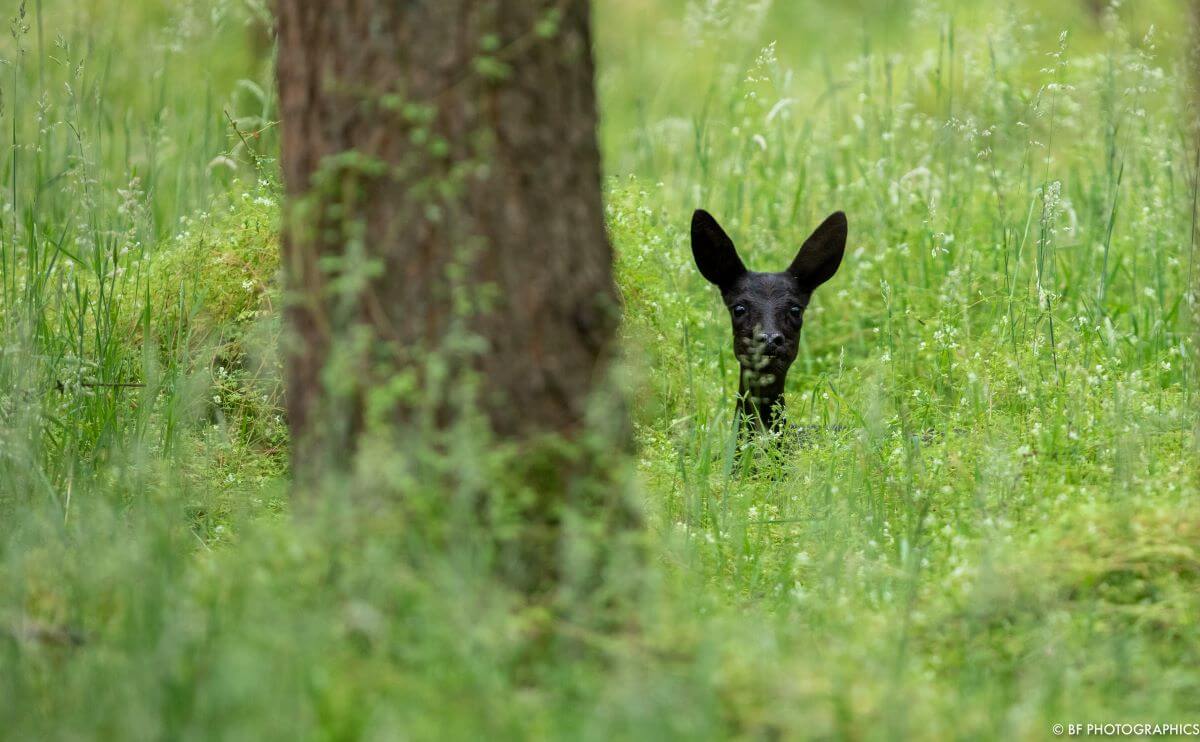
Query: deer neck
(760,400)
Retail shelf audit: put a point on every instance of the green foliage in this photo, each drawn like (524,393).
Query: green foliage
(982,522)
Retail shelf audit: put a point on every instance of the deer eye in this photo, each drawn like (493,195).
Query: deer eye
(739,310)
(795,311)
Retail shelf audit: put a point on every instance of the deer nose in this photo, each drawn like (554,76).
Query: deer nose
(771,340)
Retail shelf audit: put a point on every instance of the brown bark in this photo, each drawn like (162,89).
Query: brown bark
(438,137)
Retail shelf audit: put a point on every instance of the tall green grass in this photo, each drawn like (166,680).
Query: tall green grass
(985,522)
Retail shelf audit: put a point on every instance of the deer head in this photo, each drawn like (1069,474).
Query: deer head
(767,309)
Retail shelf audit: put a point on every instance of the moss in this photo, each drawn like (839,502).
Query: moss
(218,274)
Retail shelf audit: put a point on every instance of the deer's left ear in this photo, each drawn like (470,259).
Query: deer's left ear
(821,253)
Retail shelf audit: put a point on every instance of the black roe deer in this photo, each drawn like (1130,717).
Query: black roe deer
(767,308)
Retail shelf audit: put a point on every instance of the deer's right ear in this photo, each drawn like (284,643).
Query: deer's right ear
(714,252)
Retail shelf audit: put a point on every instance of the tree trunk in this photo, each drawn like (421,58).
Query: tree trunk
(442,169)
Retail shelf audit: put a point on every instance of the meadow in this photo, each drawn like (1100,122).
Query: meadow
(987,523)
